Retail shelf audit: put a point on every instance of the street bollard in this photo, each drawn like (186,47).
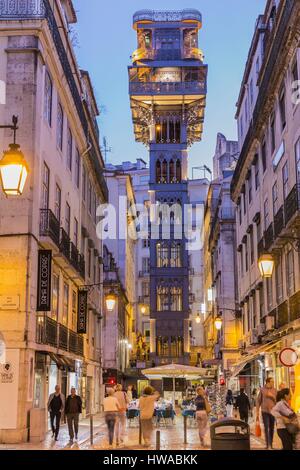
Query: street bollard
(185,429)
(140,433)
(157,440)
(92,429)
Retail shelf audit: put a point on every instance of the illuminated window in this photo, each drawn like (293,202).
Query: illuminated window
(48,99)
(176,299)
(176,255)
(162,299)
(162,255)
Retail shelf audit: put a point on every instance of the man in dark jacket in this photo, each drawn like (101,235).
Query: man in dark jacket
(243,405)
(56,406)
(73,410)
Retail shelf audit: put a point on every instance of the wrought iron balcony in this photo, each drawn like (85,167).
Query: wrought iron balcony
(279,222)
(65,243)
(52,333)
(292,203)
(188,14)
(46,330)
(63,337)
(167,88)
(74,256)
(27,9)
(269,237)
(49,225)
(282,314)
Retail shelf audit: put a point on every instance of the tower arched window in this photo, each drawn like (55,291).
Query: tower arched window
(172,171)
(176,261)
(178,132)
(164,171)
(158,171)
(178,171)
(162,299)
(162,255)
(176,299)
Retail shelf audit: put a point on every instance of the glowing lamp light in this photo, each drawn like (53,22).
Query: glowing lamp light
(129,346)
(218,323)
(110,302)
(266,265)
(198,319)
(13,171)
(143,309)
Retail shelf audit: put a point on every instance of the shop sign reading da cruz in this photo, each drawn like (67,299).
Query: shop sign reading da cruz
(44,281)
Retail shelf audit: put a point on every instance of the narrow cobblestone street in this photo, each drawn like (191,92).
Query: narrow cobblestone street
(171,438)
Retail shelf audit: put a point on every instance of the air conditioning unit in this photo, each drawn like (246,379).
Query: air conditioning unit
(261,329)
(254,337)
(270,324)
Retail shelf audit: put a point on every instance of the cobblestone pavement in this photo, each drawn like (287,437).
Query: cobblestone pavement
(171,438)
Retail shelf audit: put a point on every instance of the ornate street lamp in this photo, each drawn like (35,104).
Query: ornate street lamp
(218,323)
(110,301)
(266,265)
(13,167)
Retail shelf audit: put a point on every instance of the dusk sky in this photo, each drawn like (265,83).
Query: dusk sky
(106,40)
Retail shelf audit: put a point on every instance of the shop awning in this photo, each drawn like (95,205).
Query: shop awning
(237,368)
(63,362)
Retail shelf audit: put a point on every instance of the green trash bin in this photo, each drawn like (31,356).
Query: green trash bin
(230,434)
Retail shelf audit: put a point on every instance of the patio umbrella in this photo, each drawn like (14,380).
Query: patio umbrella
(175,371)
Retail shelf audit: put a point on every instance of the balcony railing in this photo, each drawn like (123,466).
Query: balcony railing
(167,88)
(65,243)
(269,237)
(27,9)
(74,256)
(166,16)
(49,225)
(292,203)
(282,315)
(52,333)
(279,222)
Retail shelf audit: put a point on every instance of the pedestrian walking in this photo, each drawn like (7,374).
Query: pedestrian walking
(253,398)
(243,405)
(229,404)
(73,410)
(56,406)
(111,409)
(146,405)
(134,393)
(286,419)
(203,409)
(129,393)
(123,401)
(266,401)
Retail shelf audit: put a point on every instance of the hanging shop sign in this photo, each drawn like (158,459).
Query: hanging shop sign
(288,357)
(82,311)
(44,281)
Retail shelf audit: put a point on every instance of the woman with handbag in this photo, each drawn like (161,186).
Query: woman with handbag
(286,419)
(203,409)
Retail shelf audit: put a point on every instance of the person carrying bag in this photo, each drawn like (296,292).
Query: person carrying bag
(286,420)
(203,409)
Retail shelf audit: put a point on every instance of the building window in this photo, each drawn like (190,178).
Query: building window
(254,311)
(77,169)
(257,67)
(176,299)
(272,135)
(275,198)
(145,289)
(256,169)
(162,346)
(282,109)
(279,283)
(66,304)
(251,246)
(266,214)
(162,255)
(60,127)
(176,346)
(83,183)
(55,297)
(176,255)
(90,203)
(68,219)
(242,260)
(285,180)
(45,187)
(74,310)
(162,299)
(250,188)
(246,255)
(57,204)
(146,265)
(76,232)
(290,274)
(70,150)
(48,99)
(264,156)
(295,73)
(244,201)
